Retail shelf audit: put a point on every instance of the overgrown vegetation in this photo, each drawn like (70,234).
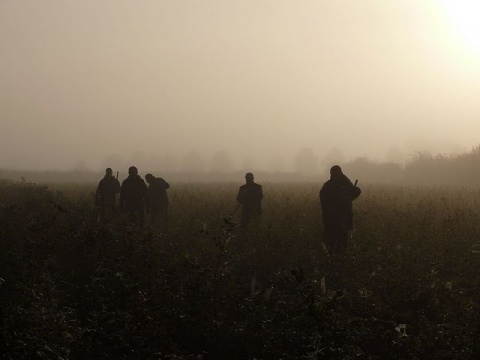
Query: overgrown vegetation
(409,287)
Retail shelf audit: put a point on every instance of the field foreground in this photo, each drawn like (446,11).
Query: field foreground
(408,288)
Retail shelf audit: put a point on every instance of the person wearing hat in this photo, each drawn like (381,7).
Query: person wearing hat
(250,198)
(133,195)
(336,198)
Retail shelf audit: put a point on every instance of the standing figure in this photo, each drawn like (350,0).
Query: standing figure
(106,195)
(250,197)
(336,198)
(157,200)
(133,195)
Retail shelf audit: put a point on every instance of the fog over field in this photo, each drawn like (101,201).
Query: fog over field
(246,83)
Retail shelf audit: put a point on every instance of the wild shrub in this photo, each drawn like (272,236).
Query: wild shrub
(74,288)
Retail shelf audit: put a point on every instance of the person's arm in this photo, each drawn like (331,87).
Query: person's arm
(165,184)
(321,196)
(355,192)
(98,194)
(324,201)
(240,196)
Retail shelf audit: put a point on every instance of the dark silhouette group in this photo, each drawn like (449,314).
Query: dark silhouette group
(136,199)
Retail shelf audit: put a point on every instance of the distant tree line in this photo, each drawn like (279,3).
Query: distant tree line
(192,161)
(422,169)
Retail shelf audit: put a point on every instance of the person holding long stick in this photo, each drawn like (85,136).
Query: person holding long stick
(336,197)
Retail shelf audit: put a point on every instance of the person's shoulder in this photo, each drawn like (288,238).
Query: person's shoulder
(130,181)
(327,187)
(257,185)
(343,180)
(327,183)
(163,183)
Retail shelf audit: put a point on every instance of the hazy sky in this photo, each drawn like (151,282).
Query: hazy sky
(259,78)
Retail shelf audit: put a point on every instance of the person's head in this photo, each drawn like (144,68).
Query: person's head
(149,178)
(249,178)
(132,171)
(335,172)
(108,171)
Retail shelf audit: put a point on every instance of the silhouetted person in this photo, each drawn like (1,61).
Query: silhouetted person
(106,195)
(157,199)
(250,197)
(133,195)
(336,198)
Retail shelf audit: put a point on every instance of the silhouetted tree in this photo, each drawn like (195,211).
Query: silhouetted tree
(221,162)
(367,170)
(306,161)
(249,164)
(80,166)
(154,163)
(424,168)
(169,163)
(333,157)
(139,160)
(193,162)
(113,161)
(441,169)
(276,164)
(395,155)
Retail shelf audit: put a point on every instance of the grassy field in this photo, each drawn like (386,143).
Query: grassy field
(408,288)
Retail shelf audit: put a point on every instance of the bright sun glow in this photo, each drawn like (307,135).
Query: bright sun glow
(465,19)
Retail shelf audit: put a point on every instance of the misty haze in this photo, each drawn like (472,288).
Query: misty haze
(152,83)
(239,179)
